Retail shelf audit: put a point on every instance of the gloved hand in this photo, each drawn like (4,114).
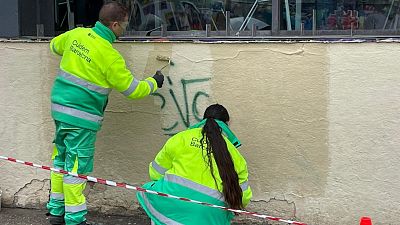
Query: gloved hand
(159,77)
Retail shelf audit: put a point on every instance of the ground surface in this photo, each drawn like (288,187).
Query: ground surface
(17,216)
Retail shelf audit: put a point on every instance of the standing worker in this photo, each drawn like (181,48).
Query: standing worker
(202,164)
(90,68)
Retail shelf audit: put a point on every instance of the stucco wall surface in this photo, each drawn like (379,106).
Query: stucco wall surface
(319,124)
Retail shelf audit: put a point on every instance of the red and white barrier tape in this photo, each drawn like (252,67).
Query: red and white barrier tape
(124,185)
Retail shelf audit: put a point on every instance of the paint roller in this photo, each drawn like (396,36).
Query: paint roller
(164,59)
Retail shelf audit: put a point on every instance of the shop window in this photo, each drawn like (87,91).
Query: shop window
(191,18)
(180,15)
(339,17)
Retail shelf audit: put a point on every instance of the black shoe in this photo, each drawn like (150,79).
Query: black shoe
(56,220)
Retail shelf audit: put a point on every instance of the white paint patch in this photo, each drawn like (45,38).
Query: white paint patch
(363,112)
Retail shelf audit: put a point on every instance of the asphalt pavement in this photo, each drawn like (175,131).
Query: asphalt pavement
(18,216)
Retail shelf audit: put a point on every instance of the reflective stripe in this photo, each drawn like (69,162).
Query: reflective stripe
(158,168)
(156,213)
(132,87)
(73,180)
(74,209)
(84,83)
(151,86)
(76,113)
(195,186)
(244,185)
(58,196)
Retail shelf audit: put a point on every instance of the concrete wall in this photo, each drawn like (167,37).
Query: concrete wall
(319,124)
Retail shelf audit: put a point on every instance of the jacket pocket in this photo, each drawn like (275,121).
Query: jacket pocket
(85,160)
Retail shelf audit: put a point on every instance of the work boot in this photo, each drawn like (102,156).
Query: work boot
(56,220)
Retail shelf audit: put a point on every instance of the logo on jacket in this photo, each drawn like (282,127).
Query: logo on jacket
(80,50)
(195,142)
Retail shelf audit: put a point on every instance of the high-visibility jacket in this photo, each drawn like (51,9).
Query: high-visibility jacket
(181,169)
(90,68)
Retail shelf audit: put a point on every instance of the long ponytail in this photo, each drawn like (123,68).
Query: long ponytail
(216,148)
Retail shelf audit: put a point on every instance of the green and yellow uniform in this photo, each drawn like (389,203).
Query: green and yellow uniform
(181,169)
(90,68)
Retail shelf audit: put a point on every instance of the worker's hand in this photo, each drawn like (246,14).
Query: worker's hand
(159,77)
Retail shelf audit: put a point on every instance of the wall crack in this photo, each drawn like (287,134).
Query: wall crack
(35,190)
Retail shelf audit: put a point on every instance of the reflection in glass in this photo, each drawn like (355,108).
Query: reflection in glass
(340,14)
(179,15)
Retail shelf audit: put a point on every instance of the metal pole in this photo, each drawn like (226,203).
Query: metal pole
(228,23)
(208,30)
(71,24)
(276,15)
(39,25)
(302,29)
(253,30)
(298,14)
(157,14)
(351,29)
(163,30)
(314,22)
(288,22)
(249,16)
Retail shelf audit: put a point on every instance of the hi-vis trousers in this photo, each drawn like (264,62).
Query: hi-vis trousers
(73,152)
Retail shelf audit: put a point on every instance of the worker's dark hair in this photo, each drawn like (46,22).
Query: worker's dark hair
(217,149)
(112,12)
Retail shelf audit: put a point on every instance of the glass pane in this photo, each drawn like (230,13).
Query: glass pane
(146,15)
(193,15)
(340,15)
(255,12)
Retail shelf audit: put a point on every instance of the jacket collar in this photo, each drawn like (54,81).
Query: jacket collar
(225,129)
(104,32)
